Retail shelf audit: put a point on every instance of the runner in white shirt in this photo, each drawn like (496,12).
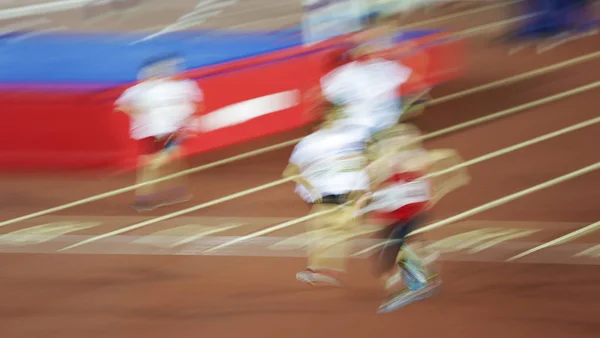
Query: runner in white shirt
(328,167)
(367,88)
(159,107)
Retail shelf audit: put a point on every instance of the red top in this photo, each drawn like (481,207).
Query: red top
(409,209)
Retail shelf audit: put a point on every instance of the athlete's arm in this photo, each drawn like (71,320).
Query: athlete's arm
(292,171)
(126,109)
(125,103)
(361,202)
(379,170)
(196,95)
(317,104)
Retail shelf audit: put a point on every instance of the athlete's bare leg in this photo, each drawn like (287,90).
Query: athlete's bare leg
(174,190)
(329,245)
(145,195)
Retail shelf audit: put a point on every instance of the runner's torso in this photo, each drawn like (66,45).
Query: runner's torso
(332,162)
(402,196)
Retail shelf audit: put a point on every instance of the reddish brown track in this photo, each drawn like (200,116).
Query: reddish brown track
(74,296)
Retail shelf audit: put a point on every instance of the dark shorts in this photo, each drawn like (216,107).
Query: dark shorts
(395,237)
(335,199)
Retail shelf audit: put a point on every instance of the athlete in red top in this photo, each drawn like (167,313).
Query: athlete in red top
(401,198)
(410,208)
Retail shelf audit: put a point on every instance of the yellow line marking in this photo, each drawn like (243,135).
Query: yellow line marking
(179,213)
(479,240)
(518,146)
(467,240)
(227,14)
(458,15)
(301,240)
(285,180)
(497,202)
(44,232)
(513,234)
(479,29)
(517,78)
(568,237)
(510,198)
(510,111)
(190,232)
(294,141)
(270,229)
(413,25)
(205,233)
(593,252)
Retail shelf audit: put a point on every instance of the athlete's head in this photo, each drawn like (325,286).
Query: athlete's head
(371,40)
(161,66)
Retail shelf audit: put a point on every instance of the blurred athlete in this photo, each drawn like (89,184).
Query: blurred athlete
(160,106)
(365,90)
(328,168)
(402,196)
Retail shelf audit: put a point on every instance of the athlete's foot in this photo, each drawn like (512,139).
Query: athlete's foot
(320,277)
(175,196)
(142,205)
(408,296)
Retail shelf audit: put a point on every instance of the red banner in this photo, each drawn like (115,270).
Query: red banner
(245,99)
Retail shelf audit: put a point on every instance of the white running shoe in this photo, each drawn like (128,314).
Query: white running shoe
(312,277)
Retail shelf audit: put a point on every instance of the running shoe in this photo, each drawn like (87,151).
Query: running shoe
(144,203)
(321,277)
(175,196)
(408,296)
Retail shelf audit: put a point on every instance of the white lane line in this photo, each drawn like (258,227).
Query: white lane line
(517,78)
(206,232)
(237,13)
(38,9)
(36,33)
(202,11)
(459,14)
(498,202)
(518,146)
(15,27)
(494,25)
(179,213)
(593,252)
(44,232)
(285,144)
(435,101)
(511,111)
(285,180)
(263,247)
(292,15)
(562,239)
(440,223)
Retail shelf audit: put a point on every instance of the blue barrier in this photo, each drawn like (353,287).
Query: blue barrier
(79,57)
(110,59)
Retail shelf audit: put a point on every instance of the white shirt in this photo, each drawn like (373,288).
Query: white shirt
(162,106)
(332,161)
(368,91)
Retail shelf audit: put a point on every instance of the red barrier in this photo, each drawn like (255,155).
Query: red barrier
(59,130)
(245,99)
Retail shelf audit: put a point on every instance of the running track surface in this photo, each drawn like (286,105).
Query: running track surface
(152,282)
